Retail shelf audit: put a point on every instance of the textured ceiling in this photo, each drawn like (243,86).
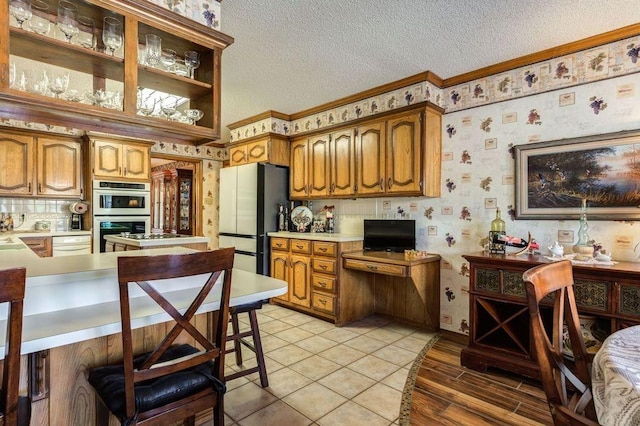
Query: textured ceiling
(291,55)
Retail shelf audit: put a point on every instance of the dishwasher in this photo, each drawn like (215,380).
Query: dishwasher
(71,245)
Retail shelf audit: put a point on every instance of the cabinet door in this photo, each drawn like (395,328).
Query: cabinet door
(342,163)
(16,164)
(135,161)
(257,151)
(300,281)
(370,158)
(298,169)
(404,154)
(59,167)
(280,269)
(319,165)
(238,155)
(107,159)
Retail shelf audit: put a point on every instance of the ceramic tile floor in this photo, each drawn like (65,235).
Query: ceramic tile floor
(320,374)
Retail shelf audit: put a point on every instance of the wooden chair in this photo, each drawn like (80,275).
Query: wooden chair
(15,410)
(172,382)
(568,390)
(239,339)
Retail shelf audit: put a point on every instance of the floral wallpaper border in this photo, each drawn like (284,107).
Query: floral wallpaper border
(603,62)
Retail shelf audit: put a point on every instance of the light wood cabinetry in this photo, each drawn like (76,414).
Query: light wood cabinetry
(396,155)
(40,166)
(121,160)
(42,246)
(138,18)
(313,270)
(273,149)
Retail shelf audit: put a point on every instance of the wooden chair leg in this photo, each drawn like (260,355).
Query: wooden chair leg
(235,325)
(218,412)
(102,413)
(257,343)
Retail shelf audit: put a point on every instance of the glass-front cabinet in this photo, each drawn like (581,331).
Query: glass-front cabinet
(120,66)
(172,201)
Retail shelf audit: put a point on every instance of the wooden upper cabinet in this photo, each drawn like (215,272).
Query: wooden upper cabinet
(100,69)
(342,163)
(404,154)
(40,166)
(273,149)
(299,169)
(319,161)
(370,158)
(115,159)
(16,164)
(59,170)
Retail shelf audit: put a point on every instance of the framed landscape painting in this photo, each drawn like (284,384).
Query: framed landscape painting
(553,177)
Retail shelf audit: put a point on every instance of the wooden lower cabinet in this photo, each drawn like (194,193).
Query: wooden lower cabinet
(65,397)
(313,270)
(499,330)
(42,246)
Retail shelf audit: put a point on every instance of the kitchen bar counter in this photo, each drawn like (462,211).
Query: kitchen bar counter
(75,298)
(318,236)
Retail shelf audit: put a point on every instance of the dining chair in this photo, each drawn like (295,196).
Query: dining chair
(16,410)
(567,387)
(173,382)
(239,339)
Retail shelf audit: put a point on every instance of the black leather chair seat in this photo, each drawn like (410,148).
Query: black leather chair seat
(108,382)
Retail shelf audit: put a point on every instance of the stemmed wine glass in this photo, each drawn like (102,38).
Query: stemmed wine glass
(112,34)
(21,10)
(192,61)
(169,106)
(57,83)
(66,19)
(39,22)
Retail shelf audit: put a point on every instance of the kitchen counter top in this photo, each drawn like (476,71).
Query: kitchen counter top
(75,298)
(318,236)
(152,242)
(33,233)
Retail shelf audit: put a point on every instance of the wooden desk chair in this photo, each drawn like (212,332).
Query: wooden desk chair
(239,339)
(172,382)
(568,392)
(15,410)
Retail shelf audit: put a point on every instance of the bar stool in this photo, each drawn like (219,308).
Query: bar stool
(15,410)
(239,340)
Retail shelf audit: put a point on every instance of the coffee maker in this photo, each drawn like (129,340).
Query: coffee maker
(77,210)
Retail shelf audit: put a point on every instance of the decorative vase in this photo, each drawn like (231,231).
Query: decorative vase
(583,248)
(590,334)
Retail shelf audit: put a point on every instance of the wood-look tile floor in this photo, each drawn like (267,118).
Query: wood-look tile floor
(446,393)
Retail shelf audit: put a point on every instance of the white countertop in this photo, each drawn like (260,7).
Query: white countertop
(75,298)
(317,236)
(183,239)
(33,233)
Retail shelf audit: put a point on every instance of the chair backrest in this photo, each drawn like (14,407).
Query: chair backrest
(568,392)
(142,269)
(12,285)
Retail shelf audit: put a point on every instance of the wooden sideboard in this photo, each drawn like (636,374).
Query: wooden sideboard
(500,335)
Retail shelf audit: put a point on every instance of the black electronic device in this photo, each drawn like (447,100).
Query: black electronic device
(389,235)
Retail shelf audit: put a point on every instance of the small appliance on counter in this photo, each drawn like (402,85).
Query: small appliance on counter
(77,210)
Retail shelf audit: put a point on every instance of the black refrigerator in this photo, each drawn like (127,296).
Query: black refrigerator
(249,198)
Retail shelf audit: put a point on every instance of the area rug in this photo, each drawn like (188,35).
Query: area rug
(405,404)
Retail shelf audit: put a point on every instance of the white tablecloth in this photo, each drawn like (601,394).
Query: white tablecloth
(616,379)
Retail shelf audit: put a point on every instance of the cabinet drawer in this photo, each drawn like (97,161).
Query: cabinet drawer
(323,248)
(301,246)
(323,302)
(324,265)
(280,244)
(378,268)
(324,283)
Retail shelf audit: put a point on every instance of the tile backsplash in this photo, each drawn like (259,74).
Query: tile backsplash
(34,209)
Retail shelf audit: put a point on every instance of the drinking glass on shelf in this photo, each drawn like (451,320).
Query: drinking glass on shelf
(39,22)
(169,106)
(12,75)
(57,82)
(66,20)
(34,82)
(168,58)
(21,10)
(192,61)
(153,51)
(112,34)
(193,115)
(87,32)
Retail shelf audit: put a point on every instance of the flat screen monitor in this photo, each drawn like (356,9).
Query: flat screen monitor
(389,235)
